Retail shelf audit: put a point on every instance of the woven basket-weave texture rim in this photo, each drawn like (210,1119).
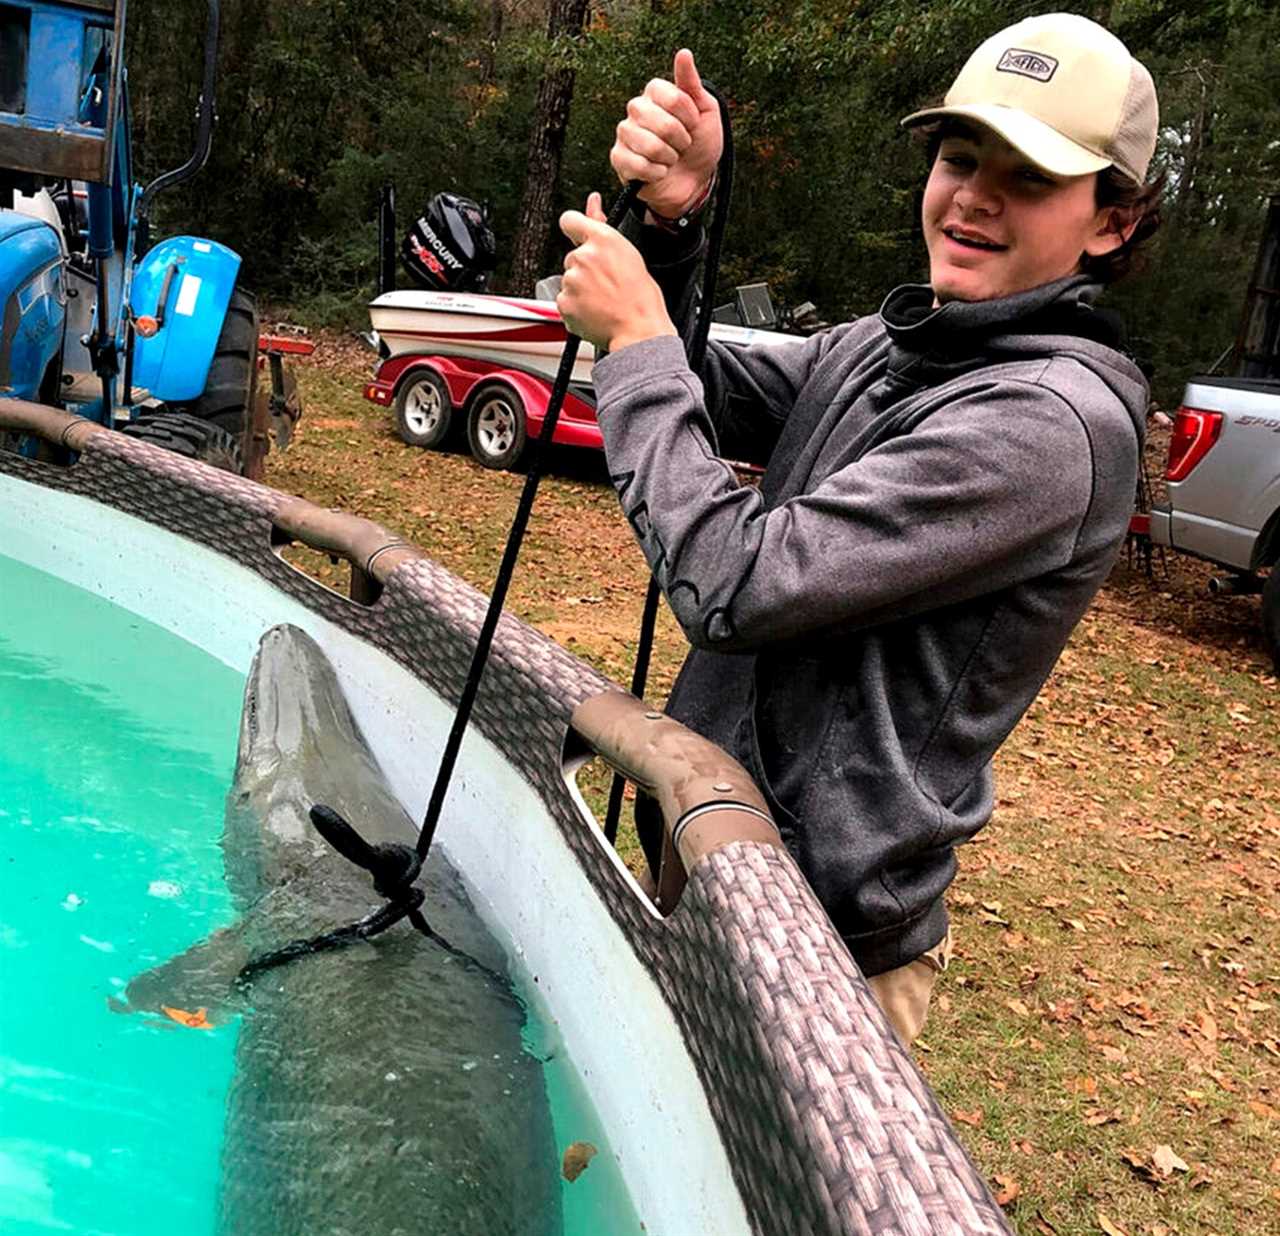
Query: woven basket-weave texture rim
(826,1123)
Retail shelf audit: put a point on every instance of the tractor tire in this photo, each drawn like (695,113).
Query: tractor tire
(1271,614)
(189,436)
(227,398)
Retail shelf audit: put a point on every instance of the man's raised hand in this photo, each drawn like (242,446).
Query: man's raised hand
(606,295)
(671,140)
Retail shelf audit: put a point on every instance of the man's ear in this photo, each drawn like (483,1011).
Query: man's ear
(1113,226)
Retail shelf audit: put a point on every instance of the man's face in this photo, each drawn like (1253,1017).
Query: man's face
(996,224)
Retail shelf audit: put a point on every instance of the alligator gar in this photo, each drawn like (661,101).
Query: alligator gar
(381,1088)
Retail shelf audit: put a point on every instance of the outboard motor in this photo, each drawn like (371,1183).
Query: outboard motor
(451,247)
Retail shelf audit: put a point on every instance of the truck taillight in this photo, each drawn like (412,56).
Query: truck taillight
(1194,432)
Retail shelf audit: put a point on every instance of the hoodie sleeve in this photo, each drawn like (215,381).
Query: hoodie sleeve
(989,490)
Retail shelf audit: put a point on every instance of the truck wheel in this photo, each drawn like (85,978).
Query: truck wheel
(497,426)
(424,411)
(1271,613)
(227,398)
(189,436)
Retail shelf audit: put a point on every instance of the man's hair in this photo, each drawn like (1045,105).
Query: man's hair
(1112,188)
(1133,202)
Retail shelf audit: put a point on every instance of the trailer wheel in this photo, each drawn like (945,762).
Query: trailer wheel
(189,436)
(497,427)
(1271,613)
(227,398)
(424,411)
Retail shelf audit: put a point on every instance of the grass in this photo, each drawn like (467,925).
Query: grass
(1107,1039)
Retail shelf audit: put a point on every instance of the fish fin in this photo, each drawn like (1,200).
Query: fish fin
(203,977)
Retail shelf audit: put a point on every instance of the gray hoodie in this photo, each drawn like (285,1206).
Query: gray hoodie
(946,490)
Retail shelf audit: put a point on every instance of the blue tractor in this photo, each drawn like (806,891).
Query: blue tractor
(159,341)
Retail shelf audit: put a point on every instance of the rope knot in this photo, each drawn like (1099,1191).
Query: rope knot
(393,867)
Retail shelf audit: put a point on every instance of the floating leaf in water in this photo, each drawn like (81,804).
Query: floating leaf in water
(197,1020)
(576,1158)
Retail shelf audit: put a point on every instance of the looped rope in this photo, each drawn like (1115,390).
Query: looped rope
(394,868)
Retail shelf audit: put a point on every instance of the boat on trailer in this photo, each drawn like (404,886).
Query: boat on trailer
(517,331)
(489,363)
(745,1075)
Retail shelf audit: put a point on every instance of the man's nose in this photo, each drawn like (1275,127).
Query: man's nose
(979,195)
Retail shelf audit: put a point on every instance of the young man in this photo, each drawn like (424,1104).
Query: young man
(948,483)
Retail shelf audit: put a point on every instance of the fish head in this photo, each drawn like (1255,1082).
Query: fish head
(294,708)
(300,745)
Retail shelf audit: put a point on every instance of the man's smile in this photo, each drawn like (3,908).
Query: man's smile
(969,239)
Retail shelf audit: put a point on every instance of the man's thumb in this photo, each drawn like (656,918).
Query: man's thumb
(575,226)
(690,81)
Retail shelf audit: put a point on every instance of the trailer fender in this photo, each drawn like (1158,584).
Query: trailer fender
(534,392)
(462,375)
(180,294)
(575,415)
(577,424)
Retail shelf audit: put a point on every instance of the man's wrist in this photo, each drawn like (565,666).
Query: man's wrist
(688,215)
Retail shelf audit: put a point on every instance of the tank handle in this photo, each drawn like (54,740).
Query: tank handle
(372,550)
(707,799)
(52,425)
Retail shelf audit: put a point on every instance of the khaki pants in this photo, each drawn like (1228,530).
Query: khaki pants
(904,993)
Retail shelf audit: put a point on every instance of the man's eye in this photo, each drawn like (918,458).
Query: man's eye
(964,162)
(1036,178)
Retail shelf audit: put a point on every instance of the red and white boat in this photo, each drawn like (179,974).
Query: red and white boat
(525,333)
(488,362)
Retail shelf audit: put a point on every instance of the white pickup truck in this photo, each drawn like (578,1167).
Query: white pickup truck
(1223,481)
(1224,459)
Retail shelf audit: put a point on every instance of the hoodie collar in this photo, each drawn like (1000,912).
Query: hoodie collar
(928,345)
(959,326)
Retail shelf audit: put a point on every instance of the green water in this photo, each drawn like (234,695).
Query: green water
(113,772)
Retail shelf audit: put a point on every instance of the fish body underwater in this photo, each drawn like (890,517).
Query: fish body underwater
(381,1088)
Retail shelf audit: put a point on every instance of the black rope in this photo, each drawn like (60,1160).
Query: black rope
(514,540)
(697,352)
(395,867)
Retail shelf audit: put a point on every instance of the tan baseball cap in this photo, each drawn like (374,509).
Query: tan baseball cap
(1064,91)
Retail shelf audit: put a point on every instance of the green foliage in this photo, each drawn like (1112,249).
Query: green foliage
(322,101)
(319,102)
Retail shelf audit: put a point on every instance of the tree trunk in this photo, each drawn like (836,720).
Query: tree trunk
(489,55)
(546,145)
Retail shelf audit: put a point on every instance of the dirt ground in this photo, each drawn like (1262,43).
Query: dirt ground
(1107,1040)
